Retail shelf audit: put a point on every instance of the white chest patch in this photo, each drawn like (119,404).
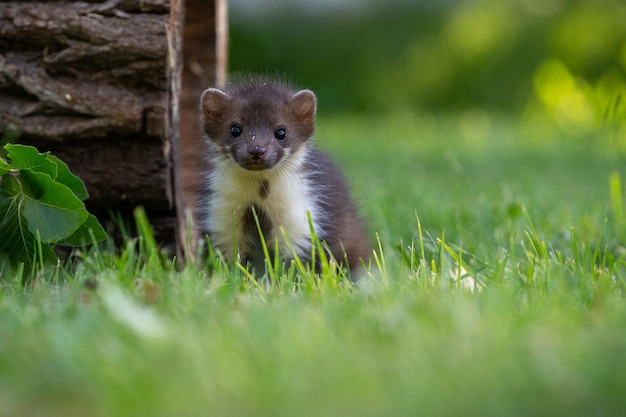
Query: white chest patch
(286,200)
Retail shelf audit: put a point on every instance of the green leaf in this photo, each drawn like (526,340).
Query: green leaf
(28,158)
(4,167)
(65,177)
(50,208)
(89,232)
(17,243)
(40,203)
(9,186)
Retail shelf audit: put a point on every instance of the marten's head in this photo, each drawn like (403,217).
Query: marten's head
(258,123)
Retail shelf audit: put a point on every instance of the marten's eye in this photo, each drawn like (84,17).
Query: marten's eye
(235,131)
(280,134)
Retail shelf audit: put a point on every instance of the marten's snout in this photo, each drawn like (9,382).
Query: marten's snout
(257,156)
(256,152)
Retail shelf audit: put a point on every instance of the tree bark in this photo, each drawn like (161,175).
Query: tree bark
(75,70)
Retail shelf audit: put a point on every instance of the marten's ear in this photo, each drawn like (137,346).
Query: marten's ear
(303,104)
(215,105)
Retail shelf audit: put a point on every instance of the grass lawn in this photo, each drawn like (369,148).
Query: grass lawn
(535,217)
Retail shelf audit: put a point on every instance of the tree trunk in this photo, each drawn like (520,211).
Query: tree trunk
(99,85)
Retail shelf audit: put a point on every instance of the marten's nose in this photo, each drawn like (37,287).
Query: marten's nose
(256,152)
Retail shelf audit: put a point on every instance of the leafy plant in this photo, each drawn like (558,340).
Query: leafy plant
(41,203)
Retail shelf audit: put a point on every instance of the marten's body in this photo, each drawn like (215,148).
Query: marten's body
(261,160)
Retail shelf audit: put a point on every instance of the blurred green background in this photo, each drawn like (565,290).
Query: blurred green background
(555,63)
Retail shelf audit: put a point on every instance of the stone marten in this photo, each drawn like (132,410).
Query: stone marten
(261,159)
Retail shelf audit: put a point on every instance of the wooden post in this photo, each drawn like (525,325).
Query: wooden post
(205,65)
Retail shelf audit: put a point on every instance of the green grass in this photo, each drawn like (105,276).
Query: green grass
(534,215)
